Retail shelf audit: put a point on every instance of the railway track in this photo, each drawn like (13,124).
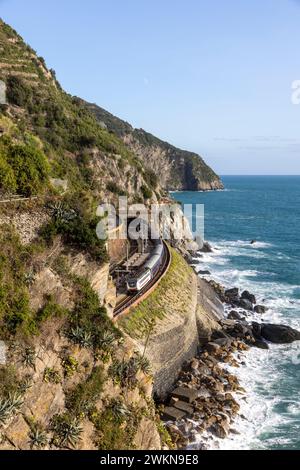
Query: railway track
(132,299)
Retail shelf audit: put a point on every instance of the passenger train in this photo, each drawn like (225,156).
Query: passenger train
(150,268)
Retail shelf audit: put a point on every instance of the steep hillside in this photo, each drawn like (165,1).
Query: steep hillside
(176,169)
(71,144)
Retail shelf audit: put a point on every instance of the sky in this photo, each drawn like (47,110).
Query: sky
(211,76)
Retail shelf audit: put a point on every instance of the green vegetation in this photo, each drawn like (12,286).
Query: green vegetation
(38,438)
(23,168)
(116,426)
(50,310)
(146,192)
(15,311)
(114,188)
(69,365)
(77,227)
(82,399)
(11,393)
(66,430)
(52,376)
(168,297)
(125,372)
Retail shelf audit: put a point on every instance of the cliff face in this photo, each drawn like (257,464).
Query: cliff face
(176,169)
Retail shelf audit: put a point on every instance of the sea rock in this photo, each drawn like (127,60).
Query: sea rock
(256,330)
(183,406)
(245,304)
(280,334)
(232,294)
(260,343)
(173,413)
(206,248)
(246,295)
(185,394)
(252,242)
(221,429)
(233,315)
(203,273)
(260,309)
(223,342)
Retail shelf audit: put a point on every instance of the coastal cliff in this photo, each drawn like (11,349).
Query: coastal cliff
(175,169)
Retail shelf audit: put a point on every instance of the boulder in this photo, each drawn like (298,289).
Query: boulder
(246,295)
(206,248)
(246,304)
(260,309)
(223,342)
(232,294)
(260,343)
(185,394)
(204,273)
(256,329)
(183,406)
(173,413)
(280,334)
(233,315)
(212,347)
(221,429)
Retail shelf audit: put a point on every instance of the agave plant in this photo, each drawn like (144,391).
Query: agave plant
(29,278)
(106,341)
(62,212)
(81,336)
(25,384)
(29,357)
(38,438)
(9,406)
(144,365)
(124,372)
(119,409)
(67,431)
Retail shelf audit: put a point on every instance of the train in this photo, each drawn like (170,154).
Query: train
(139,280)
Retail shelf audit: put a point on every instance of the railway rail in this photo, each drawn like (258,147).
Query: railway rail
(134,299)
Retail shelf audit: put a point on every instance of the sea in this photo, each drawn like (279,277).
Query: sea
(265,209)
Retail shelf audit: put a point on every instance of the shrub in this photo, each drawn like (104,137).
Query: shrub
(30,169)
(146,192)
(18,93)
(15,312)
(77,232)
(7,177)
(114,188)
(116,426)
(50,310)
(151,178)
(69,365)
(51,375)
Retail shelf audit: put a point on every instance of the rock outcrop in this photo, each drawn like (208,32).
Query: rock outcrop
(176,169)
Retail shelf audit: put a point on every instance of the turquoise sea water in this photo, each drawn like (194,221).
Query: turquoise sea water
(266,209)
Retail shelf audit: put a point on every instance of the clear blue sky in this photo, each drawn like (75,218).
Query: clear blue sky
(209,76)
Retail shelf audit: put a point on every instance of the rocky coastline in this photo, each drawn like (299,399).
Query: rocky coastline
(204,403)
